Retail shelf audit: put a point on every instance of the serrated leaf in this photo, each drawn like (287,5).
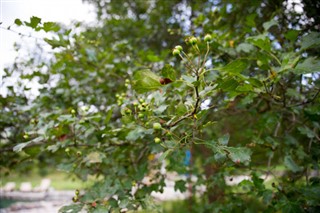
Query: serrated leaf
(34,21)
(312,40)
(74,208)
(238,154)
(180,185)
(94,157)
(20,146)
(224,139)
(146,81)
(245,47)
(255,82)
(229,84)
(100,209)
(261,41)
(290,164)
(306,131)
(164,155)
(138,132)
(310,65)
(168,72)
(289,61)
(51,26)
(235,66)
(269,24)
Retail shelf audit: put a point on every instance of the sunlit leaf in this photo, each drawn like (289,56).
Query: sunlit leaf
(146,81)
(290,164)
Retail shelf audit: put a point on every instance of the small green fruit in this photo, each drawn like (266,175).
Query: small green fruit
(77,192)
(141,115)
(157,126)
(75,199)
(193,40)
(67,150)
(128,111)
(141,100)
(207,38)
(25,136)
(157,140)
(178,47)
(175,52)
(79,153)
(73,111)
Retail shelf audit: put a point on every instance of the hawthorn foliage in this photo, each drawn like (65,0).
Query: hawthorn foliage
(236,85)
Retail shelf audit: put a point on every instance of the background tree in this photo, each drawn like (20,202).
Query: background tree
(240,92)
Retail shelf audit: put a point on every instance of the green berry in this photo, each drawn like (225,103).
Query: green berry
(128,111)
(157,126)
(73,111)
(141,100)
(25,136)
(79,153)
(67,150)
(175,52)
(207,38)
(141,115)
(193,40)
(178,47)
(77,192)
(75,199)
(157,140)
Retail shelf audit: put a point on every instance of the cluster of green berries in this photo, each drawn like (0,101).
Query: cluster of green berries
(76,197)
(141,108)
(120,98)
(177,50)
(127,83)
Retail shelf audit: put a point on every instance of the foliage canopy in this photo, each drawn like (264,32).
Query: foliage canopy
(240,93)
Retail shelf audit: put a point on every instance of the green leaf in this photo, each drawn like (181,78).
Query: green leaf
(307,131)
(224,139)
(138,132)
(235,66)
(290,164)
(100,209)
(292,35)
(262,41)
(169,72)
(312,40)
(229,84)
(18,22)
(51,26)
(245,47)
(310,65)
(94,157)
(180,185)
(289,61)
(238,154)
(74,208)
(146,81)
(255,82)
(34,21)
(20,146)
(164,155)
(269,24)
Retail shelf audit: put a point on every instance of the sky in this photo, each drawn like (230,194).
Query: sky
(64,11)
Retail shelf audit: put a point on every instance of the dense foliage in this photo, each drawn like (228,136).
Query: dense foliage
(208,89)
